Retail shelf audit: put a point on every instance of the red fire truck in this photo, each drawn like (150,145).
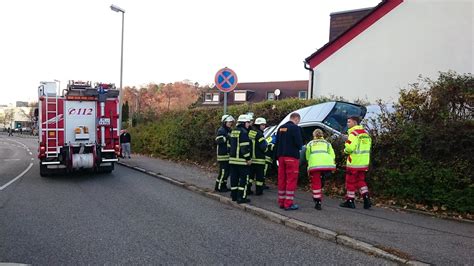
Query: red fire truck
(78,127)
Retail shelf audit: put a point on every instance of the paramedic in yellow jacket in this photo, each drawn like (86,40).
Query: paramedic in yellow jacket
(357,147)
(321,158)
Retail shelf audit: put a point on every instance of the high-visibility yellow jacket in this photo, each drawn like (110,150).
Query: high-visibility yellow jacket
(320,155)
(358,147)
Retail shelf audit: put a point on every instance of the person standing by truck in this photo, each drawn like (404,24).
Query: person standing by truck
(125,141)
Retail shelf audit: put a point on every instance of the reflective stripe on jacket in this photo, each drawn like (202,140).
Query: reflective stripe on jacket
(358,147)
(223,144)
(320,155)
(269,153)
(259,146)
(239,146)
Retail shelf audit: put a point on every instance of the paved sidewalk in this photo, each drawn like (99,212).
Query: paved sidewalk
(411,236)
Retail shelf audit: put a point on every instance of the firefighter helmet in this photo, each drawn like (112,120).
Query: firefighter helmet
(243,118)
(250,116)
(227,118)
(260,121)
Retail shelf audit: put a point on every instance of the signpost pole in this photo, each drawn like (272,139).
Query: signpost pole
(225,103)
(226,81)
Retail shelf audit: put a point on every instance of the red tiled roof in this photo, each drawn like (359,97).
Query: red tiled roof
(257,91)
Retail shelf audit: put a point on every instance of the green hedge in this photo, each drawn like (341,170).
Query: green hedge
(423,155)
(190,134)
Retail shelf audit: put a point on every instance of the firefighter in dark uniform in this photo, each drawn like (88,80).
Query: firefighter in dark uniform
(240,160)
(251,129)
(223,146)
(259,146)
(269,157)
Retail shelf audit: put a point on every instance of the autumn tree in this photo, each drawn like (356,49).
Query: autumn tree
(153,99)
(29,113)
(8,117)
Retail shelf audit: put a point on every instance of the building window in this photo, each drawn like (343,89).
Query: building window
(240,96)
(211,97)
(302,95)
(208,97)
(270,96)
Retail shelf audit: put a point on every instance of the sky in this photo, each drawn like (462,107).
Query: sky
(164,41)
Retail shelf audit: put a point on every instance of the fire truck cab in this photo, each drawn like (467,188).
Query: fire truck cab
(78,128)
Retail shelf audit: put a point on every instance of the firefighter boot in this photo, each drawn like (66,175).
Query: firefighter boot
(234,195)
(317,204)
(224,187)
(249,189)
(258,190)
(367,202)
(348,204)
(265,186)
(241,199)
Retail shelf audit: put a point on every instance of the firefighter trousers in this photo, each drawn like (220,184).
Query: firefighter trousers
(239,178)
(288,170)
(224,171)
(355,180)
(258,173)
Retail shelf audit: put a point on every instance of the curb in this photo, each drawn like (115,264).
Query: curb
(301,226)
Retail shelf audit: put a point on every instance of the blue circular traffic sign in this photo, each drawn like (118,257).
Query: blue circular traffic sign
(226,80)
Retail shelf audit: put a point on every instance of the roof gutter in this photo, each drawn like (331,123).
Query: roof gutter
(311,85)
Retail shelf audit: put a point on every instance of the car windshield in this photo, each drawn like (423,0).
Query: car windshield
(337,118)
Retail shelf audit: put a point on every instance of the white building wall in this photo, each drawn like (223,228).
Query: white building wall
(20,114)
(417,37)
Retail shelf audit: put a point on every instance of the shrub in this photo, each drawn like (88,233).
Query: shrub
(190,134)
(425,153)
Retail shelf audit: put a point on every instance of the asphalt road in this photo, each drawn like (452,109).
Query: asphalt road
(130,218)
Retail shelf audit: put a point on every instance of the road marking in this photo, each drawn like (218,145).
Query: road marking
(31,153)
(21,144)
(16,178)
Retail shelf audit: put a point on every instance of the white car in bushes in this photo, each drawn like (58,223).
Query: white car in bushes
(331,117)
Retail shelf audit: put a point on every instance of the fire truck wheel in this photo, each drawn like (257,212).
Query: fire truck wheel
(44,171)
(106,169)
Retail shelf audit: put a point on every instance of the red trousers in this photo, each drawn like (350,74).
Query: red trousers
(288,170)
(355,180)
(316,184)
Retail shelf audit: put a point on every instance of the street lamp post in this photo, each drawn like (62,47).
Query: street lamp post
(118,9)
